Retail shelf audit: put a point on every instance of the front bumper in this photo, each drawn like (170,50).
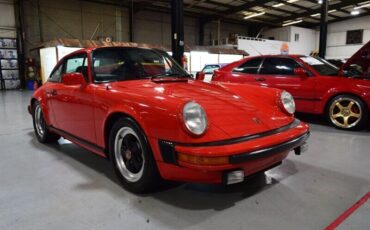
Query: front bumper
(251,154)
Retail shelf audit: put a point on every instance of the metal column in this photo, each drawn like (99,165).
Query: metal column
(131,21)
(177,29)
(323,28)
(19,19)
(201,23)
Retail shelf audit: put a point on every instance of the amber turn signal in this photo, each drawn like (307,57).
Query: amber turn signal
(198,160)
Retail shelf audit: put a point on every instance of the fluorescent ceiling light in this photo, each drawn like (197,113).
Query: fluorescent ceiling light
(278,5)
(362,6)
(254,15)
(355,12)
(320,1)
(282,4)
(318,14)
(293,22)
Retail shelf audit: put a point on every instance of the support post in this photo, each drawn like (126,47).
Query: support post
(177,30)
(323,28)
(40,21)
(131,21)
(201,31)
(19,12)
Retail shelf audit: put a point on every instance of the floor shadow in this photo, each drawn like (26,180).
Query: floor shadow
(183,195)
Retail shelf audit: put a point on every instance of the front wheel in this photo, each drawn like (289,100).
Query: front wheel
(43,135)
(347,112)
(132,157)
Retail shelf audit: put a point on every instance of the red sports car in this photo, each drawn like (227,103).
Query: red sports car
(141,110)
(318,87)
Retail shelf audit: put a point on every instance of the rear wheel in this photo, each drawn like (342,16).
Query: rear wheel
(347,112)
(132,157)
(43,135)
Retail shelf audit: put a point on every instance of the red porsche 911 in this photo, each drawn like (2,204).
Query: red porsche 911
(141,110)
(318,87)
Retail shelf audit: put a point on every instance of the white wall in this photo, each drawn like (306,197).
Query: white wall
(336,44)
(306,43)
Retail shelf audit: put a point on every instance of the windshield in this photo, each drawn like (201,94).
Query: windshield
(126,63)
(321,66)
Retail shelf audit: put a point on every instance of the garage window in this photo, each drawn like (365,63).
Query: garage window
(354,37)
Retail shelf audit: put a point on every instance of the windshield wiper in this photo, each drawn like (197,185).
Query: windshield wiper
(164,75)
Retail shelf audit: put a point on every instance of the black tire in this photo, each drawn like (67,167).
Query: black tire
(342,115)
(42,133)
(133,163)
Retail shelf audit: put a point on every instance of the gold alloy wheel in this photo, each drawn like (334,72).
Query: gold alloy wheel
(345,112)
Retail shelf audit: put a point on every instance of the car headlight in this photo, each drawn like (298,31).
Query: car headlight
(287,102)
(195,118)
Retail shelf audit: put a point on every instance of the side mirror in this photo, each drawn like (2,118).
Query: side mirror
(73,79)
(300,72)
(200,76)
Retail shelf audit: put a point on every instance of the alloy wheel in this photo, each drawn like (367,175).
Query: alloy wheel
(345,112)
(39,121)
(129,154)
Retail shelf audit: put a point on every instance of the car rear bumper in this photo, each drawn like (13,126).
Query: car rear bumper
(248,154)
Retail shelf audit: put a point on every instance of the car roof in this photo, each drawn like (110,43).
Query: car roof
(90,49)
(279,55)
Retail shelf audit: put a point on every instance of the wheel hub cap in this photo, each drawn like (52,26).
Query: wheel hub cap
(129,154)
(345,112)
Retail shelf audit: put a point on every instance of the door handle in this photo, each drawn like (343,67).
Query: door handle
(52,93)
(260,79)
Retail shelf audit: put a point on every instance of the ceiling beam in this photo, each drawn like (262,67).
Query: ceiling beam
(315,11)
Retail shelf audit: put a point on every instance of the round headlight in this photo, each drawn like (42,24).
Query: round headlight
(287,102)
(195,118)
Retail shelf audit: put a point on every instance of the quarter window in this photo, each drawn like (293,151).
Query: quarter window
(278,66)
(77,64)
(250,66)
(55,76)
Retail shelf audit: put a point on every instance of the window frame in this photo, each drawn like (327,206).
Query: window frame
(258,68)
(290,75)
(63,65)
(85,60)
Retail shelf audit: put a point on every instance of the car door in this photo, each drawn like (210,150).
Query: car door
(247,72)
(51,87)
(281,73)
(73,104)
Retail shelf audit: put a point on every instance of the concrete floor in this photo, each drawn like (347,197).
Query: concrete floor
(62,186)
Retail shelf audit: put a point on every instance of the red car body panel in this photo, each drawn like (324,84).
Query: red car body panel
(81,113)
(311,93)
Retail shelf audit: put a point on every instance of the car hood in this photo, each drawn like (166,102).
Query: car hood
(360,58)
(235,113)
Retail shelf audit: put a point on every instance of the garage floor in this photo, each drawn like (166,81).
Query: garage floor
(62,186)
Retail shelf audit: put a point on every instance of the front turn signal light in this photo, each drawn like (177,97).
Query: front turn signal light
(199,160)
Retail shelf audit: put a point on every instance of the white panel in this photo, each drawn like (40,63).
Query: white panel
(63,51)
(228,58)
(48,59)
